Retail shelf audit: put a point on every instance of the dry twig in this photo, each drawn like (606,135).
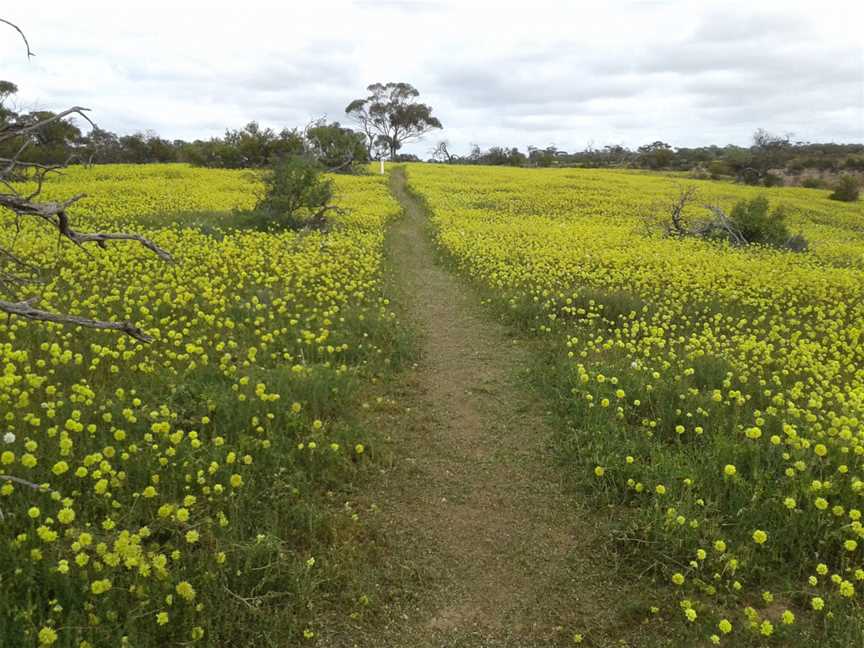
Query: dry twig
(677,212)
(18,29)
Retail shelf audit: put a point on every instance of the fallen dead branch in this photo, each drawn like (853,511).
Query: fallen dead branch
(16,270)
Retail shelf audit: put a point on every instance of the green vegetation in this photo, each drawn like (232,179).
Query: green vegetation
(711,395)
(296,195)
(847,190)
(203,488)
(753,220)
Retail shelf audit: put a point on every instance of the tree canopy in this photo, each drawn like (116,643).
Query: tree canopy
(390,116)
(335,147)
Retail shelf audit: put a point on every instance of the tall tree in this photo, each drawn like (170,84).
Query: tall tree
(656,155)
(391,116)
(768,151)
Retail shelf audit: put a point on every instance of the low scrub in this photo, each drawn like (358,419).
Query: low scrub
(717,426)
(757,224)
(813,183)
(750,222)
(296,196)
(848,188)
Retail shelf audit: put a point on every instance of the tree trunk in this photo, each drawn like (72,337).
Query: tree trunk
(394,143)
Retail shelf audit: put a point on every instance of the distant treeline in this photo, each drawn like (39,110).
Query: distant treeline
(252,146)
(249,147)
(769,160)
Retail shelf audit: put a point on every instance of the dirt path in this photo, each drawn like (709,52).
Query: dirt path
(488,549)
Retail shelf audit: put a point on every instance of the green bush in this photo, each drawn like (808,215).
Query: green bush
(719,169)
(753,220)
(296,195)
(854,163)
(847,189)
(699,172)
(337,148)
(772,180)
(797,243)
(813,183)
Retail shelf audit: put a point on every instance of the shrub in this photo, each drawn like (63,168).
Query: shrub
(699,172)
(813,183)
(847,189)
(772,180)
(750,222)
(719,168)
(797,243)
(757,225)
(749,176)
(336,148)
(854,163)
(297,195)
(795,167)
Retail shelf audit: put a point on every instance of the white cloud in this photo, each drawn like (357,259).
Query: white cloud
(495,73)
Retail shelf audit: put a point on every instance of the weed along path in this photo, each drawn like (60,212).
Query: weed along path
(484,546)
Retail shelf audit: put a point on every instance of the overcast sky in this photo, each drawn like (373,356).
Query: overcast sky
(564,73)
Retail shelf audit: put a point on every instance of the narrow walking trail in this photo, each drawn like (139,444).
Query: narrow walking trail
(477,522)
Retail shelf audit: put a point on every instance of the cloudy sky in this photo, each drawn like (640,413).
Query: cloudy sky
(562,73)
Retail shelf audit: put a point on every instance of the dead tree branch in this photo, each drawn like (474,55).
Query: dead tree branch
(14,169)
(340,167)
(719,226)
(20,130)
(55,214)
(30,53)
(678,228)
(441,152)
(722,223)
(23,482)
(27,310)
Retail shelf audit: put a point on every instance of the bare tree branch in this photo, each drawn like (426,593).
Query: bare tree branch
(27,310)
(723,222)
(13,169)
(13,161)
(339,167)
(720,226)
(441,152)
(17,130)
(677,211)
(23,482)
(55,214)
(18,29)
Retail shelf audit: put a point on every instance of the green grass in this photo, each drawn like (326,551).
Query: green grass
(248,323)
(668,350)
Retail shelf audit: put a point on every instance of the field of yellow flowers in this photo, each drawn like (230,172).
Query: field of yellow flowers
(202,486)
(714,396)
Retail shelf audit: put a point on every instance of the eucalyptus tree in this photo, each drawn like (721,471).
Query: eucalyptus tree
(391,116)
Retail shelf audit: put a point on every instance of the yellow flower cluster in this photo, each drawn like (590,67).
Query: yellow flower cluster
(167,474)
(120,191)
(718,391)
